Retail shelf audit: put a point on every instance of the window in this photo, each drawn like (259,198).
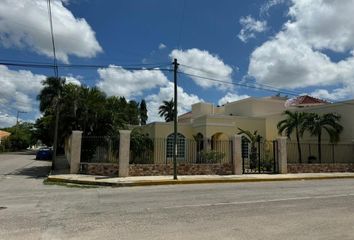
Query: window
(181,146)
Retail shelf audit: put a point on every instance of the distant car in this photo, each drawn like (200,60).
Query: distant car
(44,154)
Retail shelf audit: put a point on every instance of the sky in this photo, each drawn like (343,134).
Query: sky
(290,47)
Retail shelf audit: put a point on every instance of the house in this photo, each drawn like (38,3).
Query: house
(213,125)
(3,135)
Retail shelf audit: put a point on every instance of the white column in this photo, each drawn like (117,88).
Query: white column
(282,155)
(124,152)
(75,151)
(237,154)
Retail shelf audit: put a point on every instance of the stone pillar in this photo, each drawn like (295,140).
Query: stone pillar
(237,154)
(124,152)
(282,155)
(75,151)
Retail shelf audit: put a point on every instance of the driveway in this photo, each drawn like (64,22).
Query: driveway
(267,210)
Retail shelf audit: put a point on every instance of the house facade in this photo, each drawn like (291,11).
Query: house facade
(213,125)
(3,135)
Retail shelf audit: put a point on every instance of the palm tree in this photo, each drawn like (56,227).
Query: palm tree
(254,138)
(166,110)
(293,122)
(328,122)
(49,95)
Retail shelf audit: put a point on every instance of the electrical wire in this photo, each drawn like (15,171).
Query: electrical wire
(240,84)
(55,64)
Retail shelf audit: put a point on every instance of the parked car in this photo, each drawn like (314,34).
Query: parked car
(44,154)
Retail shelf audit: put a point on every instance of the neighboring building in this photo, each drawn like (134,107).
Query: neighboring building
(219,123)
(3,135)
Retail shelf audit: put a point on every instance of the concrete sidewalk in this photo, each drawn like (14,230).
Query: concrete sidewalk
(195,179)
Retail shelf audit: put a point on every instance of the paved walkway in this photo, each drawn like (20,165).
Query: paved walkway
(195,179)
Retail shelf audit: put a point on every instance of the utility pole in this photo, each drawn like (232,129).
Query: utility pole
(175,67)
(56,73)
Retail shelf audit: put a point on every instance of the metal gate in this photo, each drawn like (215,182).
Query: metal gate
(260,157)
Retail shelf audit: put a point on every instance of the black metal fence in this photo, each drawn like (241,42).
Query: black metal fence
(262,157)
(330,153)
(100,149)
(189,151)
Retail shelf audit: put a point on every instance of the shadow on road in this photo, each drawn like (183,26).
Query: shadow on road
(33,172)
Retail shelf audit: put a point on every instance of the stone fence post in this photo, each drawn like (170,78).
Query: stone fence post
(237,154)
(282,155)
(75,151)
(124,152)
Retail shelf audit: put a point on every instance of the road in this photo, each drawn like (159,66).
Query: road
(322,209)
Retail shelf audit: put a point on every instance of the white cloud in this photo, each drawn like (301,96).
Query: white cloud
(231,97)
(162,46)
(73,79)
(184,99)
(73,36)
(118,81)
(202,63)
(6,120)
(250,26)
(264,10)
(294,57)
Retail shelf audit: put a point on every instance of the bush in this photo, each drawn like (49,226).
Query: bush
(211,156)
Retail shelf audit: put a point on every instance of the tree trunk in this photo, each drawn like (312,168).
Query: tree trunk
(298,145)
(319,147)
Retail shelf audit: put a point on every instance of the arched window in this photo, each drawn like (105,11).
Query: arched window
(181,146)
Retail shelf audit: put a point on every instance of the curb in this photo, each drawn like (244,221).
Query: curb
(193,181)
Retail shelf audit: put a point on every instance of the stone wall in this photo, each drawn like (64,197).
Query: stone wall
(319,168)
(104,169)
(109,169)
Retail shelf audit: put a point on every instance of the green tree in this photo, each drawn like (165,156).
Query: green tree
(21,136)
(49,95)
(254,139)
(316,124)
(294,122)
(143,112)
(166,110)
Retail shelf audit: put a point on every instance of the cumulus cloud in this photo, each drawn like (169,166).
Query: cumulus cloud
(118,81)
(264,10)
(6,120)
(202,63)
(185,101)
(250,26)
(73,36)
(18,92)
(231,97)
(294,58)
(162,46)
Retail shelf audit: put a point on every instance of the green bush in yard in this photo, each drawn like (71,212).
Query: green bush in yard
(211,156)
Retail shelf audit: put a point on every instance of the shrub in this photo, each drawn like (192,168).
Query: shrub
(211,156)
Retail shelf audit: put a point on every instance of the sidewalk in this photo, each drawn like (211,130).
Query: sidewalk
(195,179)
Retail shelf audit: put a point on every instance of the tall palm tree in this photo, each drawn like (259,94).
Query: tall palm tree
(329,122)
(167,110)
(52,89)
(294,121)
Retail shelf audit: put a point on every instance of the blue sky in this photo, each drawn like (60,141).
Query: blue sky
(299,46)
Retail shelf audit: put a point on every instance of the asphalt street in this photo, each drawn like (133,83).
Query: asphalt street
(29,209)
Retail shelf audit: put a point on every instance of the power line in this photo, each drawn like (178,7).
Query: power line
(240,84)
(48,65)
(258,84)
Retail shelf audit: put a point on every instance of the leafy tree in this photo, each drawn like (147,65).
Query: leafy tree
(21,136)
(294,122)
(141,147)
(254,138)
(316,124)
(166,110)
(143,112)
(82,108)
